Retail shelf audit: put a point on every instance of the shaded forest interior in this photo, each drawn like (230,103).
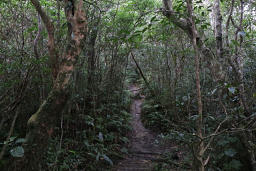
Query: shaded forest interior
(68,69)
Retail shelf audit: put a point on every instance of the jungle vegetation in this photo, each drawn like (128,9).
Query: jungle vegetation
(66,67)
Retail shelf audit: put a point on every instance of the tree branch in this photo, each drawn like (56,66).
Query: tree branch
(180,22)
(228,21)
(51,42)
(40,28)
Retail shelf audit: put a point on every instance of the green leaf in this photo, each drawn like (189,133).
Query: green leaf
(17,151)
(213,91)
(72,151)
(11,139)
(91,154)
(230,152)
(156,105)
(20,140)
(86,143)
(107,159)
(100,136)
(235,42)
(124,139)
(98,157)
(153,18)
(204,26)
(211,117)
(232,90)
(185,98)
(194,117)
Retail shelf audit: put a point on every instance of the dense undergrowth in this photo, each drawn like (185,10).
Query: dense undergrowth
(91,135)
(93,129)
(121,36)
(91,140)
(175,120)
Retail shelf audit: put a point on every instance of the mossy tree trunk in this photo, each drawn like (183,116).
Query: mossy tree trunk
(41,124)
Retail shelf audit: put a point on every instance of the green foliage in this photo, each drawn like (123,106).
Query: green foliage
(156,118)
(93,132)
(229,154)
(14,146)
(97,142)
(17,151)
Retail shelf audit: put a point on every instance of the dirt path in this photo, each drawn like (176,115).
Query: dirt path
(143,149)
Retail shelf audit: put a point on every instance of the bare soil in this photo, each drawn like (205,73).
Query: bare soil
(144,147)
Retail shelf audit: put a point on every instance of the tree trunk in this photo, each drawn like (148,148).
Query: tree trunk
(142,75)
(218,29)
(90,100)
(41,124)
(199,147)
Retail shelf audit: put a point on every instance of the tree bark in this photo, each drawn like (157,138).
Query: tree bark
(92,54)
(199,148)
(240,63)
(218,30)
(41,124)
(237,65)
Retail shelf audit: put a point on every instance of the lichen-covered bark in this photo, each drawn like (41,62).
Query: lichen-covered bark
(41,124)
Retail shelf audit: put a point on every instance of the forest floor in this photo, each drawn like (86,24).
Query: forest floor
(145,148)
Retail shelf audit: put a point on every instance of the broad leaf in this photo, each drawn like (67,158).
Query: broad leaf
(17,151)
(20,140)
(232,90)
(230,152)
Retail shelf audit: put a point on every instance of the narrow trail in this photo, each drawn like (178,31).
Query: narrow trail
(143,149)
